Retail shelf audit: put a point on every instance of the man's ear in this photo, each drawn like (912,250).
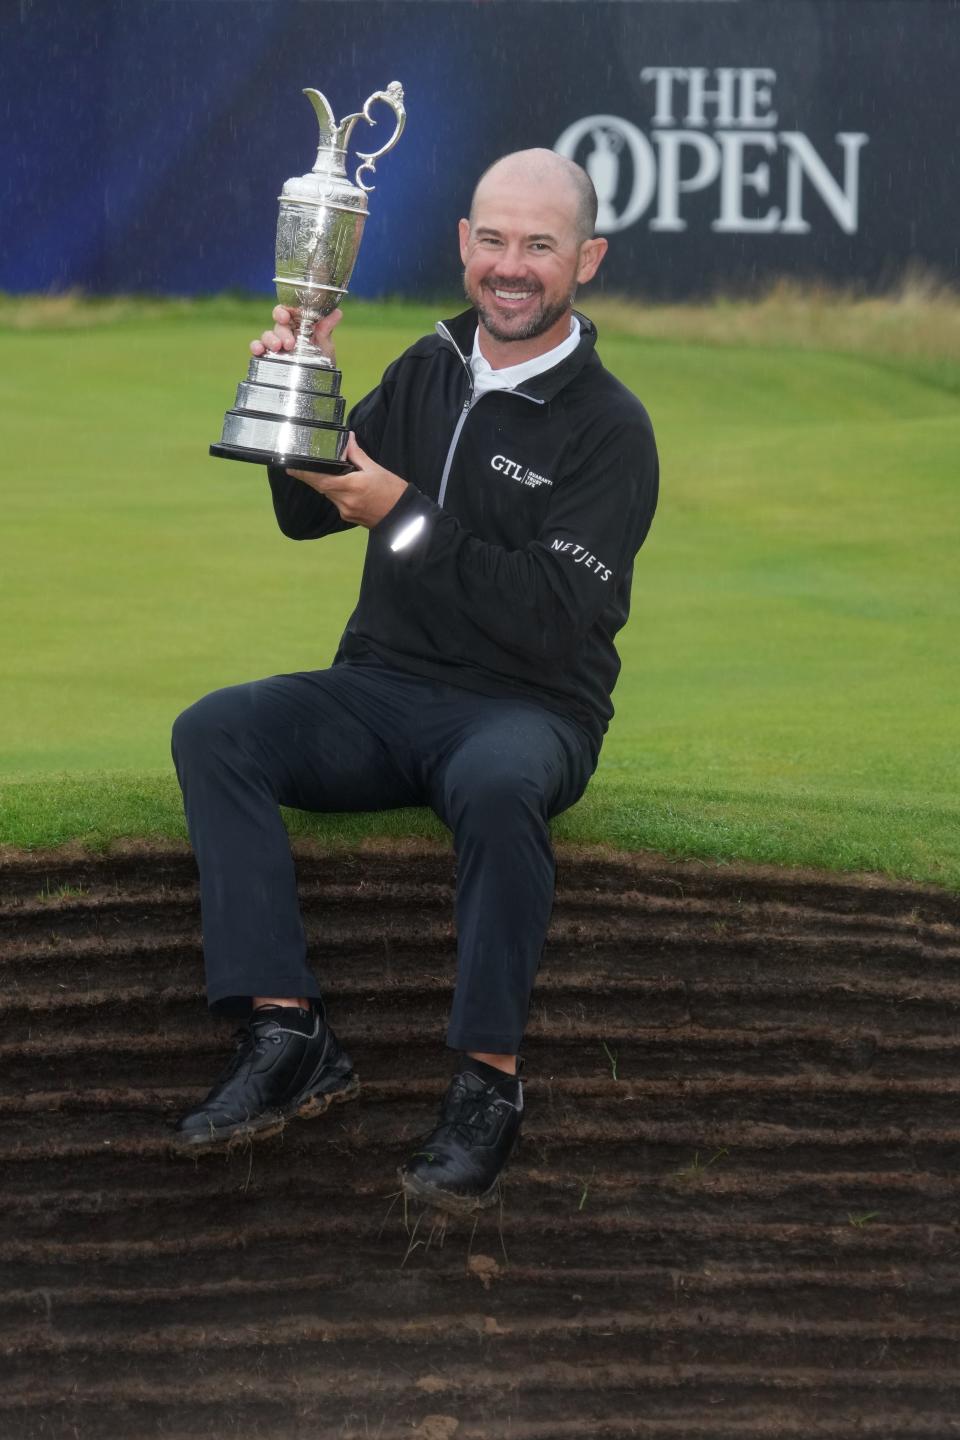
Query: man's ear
(464,228)
(591,253)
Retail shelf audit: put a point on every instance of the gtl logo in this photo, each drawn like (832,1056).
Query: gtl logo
(507,467)
(681,159)
(517,472)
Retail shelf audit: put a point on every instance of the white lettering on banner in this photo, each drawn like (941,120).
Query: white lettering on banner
(803,159)
(679,158)
(734,179)
(580,555)
(671,186)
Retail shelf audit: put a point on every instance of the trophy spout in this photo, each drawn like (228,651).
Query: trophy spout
(334,138)
(321,107)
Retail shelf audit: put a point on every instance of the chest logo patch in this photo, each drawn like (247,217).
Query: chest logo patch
(518,472)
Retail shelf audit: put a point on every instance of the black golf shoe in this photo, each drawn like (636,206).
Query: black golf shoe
(287,1062)
(457,1166)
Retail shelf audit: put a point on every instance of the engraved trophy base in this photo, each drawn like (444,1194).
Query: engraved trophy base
(288,412)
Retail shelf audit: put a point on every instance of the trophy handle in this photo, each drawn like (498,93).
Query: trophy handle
(392,96)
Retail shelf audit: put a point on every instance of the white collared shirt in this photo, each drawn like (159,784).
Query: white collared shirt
(510,376)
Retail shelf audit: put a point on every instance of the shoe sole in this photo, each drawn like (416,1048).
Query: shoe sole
(307,1107)
(447,1200)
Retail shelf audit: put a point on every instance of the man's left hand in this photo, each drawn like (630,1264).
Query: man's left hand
(365,494)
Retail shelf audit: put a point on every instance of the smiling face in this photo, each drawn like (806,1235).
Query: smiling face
(524,254)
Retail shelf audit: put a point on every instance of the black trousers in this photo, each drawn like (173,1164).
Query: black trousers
(362,736)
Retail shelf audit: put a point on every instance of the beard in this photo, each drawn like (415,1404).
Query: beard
(542,319)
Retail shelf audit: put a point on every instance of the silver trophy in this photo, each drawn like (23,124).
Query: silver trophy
(289,410)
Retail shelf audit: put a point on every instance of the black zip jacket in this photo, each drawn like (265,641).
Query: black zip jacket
(516,536)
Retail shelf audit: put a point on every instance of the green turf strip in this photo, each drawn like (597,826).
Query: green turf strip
(789,690)
(914,842)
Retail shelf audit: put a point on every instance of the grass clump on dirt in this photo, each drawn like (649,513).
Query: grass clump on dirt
(789,685)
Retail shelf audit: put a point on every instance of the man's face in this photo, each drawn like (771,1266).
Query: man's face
(522,256)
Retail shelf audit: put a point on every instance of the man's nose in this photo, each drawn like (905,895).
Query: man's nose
(512,261)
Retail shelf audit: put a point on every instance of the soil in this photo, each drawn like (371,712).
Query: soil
(733,1214)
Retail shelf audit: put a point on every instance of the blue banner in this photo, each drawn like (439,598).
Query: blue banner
(145,141)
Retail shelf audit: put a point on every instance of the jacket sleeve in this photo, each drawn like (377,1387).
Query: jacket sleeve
(536,602)
(304,514)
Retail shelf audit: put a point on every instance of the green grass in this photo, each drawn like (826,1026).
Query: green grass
(790,688)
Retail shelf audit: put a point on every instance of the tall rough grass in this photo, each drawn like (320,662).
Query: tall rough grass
(916,320)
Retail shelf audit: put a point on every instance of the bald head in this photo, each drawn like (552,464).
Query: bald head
(561,179)
(526,247)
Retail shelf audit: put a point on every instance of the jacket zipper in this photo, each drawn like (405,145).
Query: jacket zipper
(468,405)
(465,411)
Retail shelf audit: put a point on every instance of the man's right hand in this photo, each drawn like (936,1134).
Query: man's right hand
(283,335)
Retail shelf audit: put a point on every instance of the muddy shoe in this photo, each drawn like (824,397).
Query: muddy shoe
(287,1062)
(457,1167)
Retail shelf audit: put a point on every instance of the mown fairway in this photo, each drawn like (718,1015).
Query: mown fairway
(790,686)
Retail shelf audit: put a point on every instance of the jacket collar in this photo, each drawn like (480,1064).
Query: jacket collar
(462,328)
